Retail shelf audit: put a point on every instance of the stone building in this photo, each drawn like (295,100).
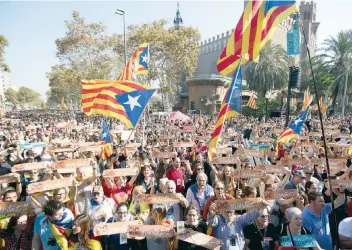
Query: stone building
(207,84)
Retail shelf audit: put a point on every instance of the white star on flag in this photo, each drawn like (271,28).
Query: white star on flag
(133,101)
(104,135)
(144,58)
(298,121)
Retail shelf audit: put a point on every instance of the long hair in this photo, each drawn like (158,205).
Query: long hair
(85,224)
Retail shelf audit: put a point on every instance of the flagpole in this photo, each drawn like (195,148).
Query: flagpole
(323,135)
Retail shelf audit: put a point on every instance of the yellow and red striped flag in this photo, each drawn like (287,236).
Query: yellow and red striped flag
(323,106)
(137,65)
(99,97)
(306,99)
(229,108)
(255,28)
(251,102)
(63,105)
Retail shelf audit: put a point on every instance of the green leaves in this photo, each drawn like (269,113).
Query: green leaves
(3,43)
(24,96)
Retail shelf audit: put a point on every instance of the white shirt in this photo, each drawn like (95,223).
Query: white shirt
(345,228)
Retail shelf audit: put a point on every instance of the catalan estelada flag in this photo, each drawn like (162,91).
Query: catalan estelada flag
(99,97)
(293,130)
(255,28)
(251,102)
(229,108)
(137,65)
(306,99)
(105,138)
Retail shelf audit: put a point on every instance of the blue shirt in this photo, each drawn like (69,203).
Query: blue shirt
(290,185)
(235,231)
(319,226)
(42,228)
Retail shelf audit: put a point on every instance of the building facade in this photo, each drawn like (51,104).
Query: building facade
(206,81)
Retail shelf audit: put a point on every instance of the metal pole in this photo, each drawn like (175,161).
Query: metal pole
(122,13)
(288,98)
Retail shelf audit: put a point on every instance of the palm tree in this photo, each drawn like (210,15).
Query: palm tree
(271,72)
(338,56)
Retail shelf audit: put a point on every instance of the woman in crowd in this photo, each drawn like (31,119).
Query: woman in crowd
(294,227)
(147,179)
(15,235)
(100,208)
(82,235)
(195,223)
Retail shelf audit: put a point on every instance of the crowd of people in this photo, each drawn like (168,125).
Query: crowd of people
(315,217)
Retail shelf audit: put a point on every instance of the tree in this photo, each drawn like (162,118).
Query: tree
(11,96)
(338,56)
(27,96)
(85,52)
(271,72)
(3,43)
(173,52)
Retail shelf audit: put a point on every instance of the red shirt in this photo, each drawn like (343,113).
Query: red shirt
(127,189)
(177,175)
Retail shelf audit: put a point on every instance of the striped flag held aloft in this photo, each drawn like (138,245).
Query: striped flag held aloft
(251,102)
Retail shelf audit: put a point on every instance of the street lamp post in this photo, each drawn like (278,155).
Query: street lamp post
(122,13)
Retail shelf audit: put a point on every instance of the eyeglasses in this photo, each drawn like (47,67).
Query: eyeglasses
(264,216)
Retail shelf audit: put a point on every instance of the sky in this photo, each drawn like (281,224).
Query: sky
(32,27)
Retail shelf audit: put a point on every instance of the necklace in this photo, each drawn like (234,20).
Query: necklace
(260,232)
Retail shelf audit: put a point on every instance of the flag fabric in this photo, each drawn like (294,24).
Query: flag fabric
(105,138)
(293,130)
(306,99)
(323,106)
(63,105)
(255,28)
(228,109)
(99,97)
(61,234)
(235,100)
(251,102)
(137,65)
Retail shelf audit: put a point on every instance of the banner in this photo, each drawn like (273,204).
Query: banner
(159,198)
(224,160)
(107,173)
(38,187)
(29,166)
(164,155)
(113,228)
(32,145)
(184,144)
(18,208)
(75,163)
(237,204)
(151,231)
(200,239)
(280,194)
(8,178)
(96,148)
(301,241)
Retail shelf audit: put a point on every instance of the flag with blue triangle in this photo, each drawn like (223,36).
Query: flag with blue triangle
(105,133)
(134,103)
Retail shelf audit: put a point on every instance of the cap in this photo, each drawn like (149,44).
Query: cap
(98,189)
(308,169)
(300,173)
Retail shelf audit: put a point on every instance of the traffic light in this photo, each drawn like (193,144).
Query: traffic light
(294,76)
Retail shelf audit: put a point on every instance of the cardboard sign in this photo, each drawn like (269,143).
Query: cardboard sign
(280,194)
(133,145)
(341,183)
(14,207)
(164,155)
(265,125)
(184,144)
(254,173)
(263,140)
(96,148)
(188,128)
(159,198)
(8,178)
(42,186)
(249,152)
(29,166)
(75,163)
(166,137)
(113,228)
(308,145)
(61,150)
(237,204)
(296,161)
(223,151)
(275,169)
(201,137)
(301,241)
(32,145)
(151,231)
(107,173)
(200,239)
(224,160)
